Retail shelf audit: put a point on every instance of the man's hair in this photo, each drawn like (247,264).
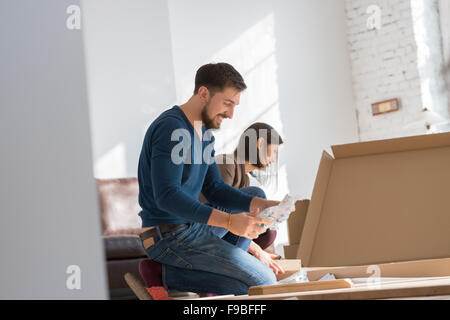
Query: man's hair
(218,76)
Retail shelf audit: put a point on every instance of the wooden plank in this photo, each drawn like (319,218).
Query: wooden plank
(405,289)
(299,287)
(422,298)
(432,288)
(290,266)
(137,286)
(224,297)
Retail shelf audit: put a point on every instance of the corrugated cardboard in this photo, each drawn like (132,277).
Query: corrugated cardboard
(296,221)
(380,202)
(295,228)
(290,252)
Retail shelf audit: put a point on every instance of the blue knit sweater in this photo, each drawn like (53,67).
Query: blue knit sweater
(169,190)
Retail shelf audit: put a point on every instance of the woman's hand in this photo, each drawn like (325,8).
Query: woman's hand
(266,258)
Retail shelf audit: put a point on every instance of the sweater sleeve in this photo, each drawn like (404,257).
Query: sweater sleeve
(167,175)
(227,170)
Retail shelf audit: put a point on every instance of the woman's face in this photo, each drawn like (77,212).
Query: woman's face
(271,156)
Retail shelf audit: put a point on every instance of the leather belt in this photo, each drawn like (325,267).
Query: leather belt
(147,237)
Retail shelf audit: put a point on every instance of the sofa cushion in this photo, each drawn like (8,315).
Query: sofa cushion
(119,206)
(123,247)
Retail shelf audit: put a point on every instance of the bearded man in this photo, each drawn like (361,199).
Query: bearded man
(182,235)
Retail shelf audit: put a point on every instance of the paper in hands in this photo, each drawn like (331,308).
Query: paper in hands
(281,212)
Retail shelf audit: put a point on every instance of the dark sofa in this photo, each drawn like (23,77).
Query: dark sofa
(121,226)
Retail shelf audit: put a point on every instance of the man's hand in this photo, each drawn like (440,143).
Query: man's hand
(247,225)
(259,204)
(242,224)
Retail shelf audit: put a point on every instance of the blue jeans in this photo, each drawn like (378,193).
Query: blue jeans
(196,259)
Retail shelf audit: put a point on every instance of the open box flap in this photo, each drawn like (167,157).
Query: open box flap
(315,208)
(391,145)
(380,208)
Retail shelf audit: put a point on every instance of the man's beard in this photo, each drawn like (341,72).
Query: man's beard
(209,123)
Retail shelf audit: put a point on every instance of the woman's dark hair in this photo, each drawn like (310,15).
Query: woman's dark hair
(218,76)
(247,151)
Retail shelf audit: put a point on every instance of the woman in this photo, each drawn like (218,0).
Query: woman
(257,150)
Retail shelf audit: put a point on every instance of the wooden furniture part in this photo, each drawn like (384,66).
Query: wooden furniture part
(406,289)
(399,289)
(290,266)
(137,286)
(299,287)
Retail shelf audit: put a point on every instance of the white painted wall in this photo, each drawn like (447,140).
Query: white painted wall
(142,57)
(49,212)
(294,58)
(130,76)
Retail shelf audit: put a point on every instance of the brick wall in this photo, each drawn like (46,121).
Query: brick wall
(384,65)
(428,35)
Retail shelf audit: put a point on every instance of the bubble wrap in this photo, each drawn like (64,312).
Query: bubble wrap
(298,277)
(281,212)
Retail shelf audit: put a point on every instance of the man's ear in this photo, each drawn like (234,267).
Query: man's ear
(203,94)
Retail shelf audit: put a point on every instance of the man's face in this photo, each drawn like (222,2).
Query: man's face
(220,106)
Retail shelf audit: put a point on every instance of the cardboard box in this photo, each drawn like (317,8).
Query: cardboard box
(379,202)
(295,228)
(290,252)
(296,222)
(380,209)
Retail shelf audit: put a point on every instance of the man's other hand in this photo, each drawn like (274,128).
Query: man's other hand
(259,204)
